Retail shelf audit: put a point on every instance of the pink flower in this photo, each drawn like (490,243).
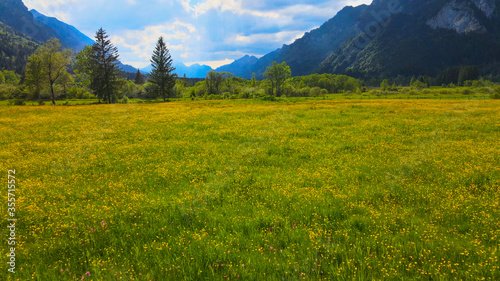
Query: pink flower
(87,273)
(103,223)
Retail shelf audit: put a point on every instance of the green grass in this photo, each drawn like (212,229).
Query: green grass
(297,189)
(455,93)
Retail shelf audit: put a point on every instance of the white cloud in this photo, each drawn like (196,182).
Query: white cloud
(234,6)
(51,7)
(285,37)
(141,43)
(62,16)
(207,31)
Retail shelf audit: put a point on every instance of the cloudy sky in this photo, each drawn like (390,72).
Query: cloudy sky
(212,32)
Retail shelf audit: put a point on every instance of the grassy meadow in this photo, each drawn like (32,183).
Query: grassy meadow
(359,189)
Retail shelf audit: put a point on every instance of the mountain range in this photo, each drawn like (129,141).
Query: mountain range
(387,38)
(27,29)
(192,71)
(239,68)
(396,37)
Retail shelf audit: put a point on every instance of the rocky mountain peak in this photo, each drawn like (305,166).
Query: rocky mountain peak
(458,15)
(487,6)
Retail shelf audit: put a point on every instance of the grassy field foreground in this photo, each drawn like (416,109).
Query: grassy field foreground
(333,190)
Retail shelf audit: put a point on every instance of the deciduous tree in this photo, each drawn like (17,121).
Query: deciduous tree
(47,65)
(35,77)
(278,73)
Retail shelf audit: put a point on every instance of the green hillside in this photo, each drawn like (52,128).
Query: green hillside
(15,48)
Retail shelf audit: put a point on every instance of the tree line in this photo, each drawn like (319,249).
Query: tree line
(53,72)
(95,68)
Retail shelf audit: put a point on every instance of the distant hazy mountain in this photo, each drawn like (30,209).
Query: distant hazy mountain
(241,67)
(69,36)
(193,71)
(24,29)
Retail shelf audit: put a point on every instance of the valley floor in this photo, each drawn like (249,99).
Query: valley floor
(364,189)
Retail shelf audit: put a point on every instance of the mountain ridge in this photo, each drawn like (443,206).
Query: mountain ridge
(31,26)
(319,42)
(15,48)
(72,37)
(241,67)
(413,44)
(391,38)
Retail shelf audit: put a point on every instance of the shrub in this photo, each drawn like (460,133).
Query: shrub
(419,85)
(304,92)
(466,92)
(125,99)
(268,98)
(245,95)
(315,92)
(16,102)
(486,90)
(7,91)
(495,96)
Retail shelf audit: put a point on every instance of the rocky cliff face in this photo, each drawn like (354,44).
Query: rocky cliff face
(426,38)
(487,6)
(458,15)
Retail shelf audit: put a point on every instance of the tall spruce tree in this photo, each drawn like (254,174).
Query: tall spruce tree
(139,78)
(105,72)
(162,75)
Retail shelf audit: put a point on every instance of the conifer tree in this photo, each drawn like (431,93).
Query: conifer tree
(162,75)
(105,70)
(139,78)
